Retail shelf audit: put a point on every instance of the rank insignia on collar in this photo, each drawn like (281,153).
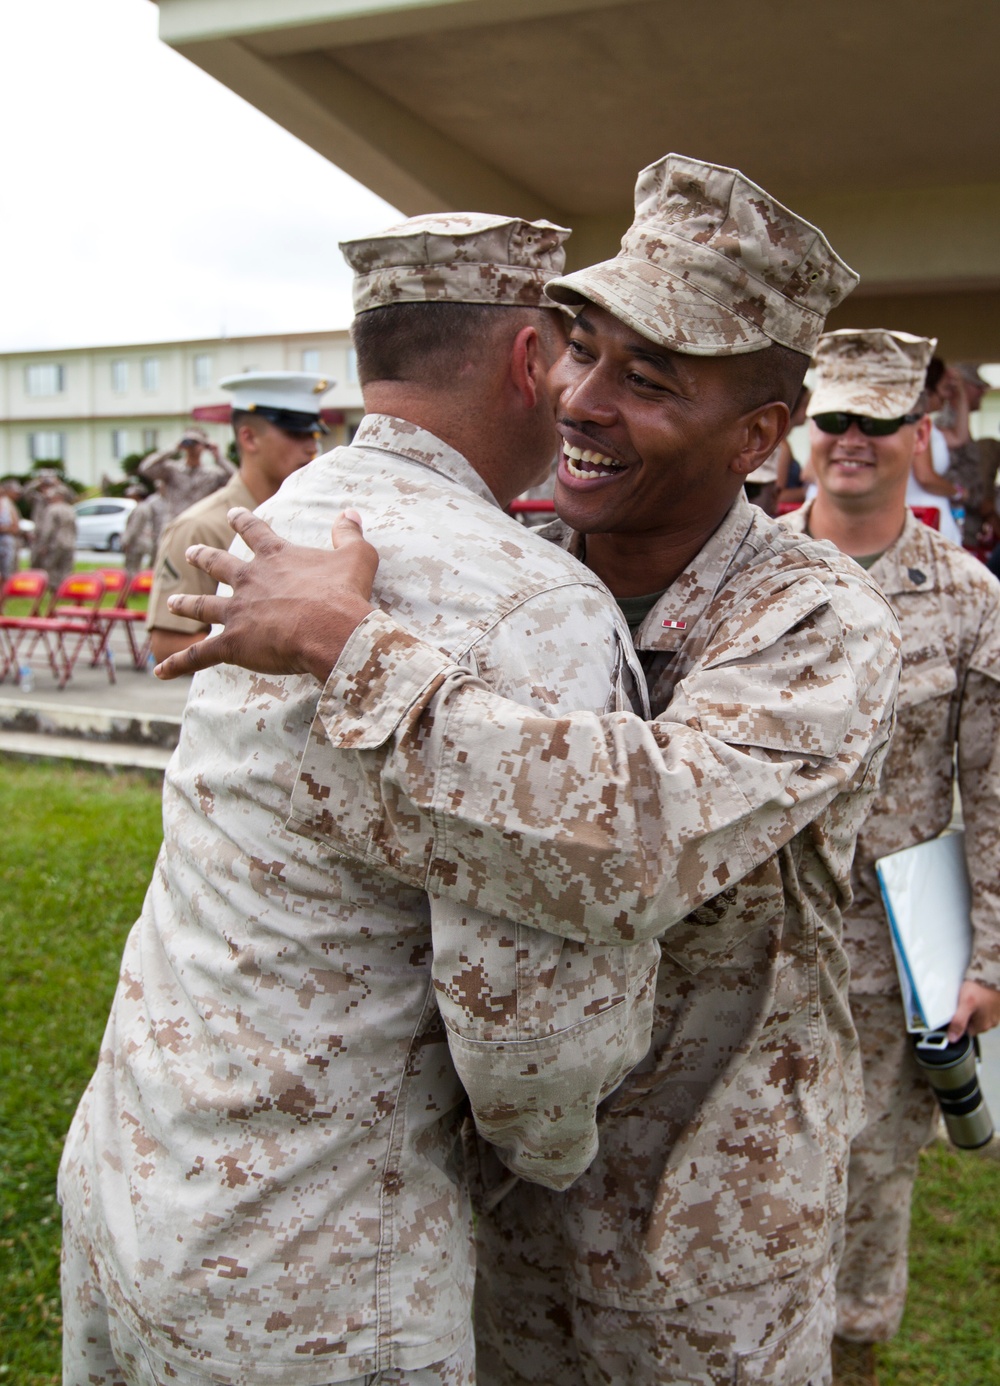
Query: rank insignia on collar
(674,625)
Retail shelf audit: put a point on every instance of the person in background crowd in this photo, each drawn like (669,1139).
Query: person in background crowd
(867,424)
(191,469)
(930,485)
(54,542)
(10,528)
(137,545)
(276,422)
(699,1245)
(974,461)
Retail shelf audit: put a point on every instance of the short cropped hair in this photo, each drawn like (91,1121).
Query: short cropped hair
(426,342)
(240,417)
(774,374)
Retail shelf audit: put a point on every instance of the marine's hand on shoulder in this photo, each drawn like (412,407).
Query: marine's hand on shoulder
(978,1011)
(293,608)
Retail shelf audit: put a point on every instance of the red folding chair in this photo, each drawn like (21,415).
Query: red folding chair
(30,586)
(129,616)
(63,637)
(78,608)
(524,510)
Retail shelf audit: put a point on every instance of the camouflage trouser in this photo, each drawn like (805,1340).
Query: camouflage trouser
(99,1349)
(58,564)
(533,1330)
(902,1117)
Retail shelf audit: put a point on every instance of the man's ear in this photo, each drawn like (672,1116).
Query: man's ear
(527,368)
(922,437)
(762,431)
(246,439)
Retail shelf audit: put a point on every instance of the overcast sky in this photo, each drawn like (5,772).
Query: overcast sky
(124,215)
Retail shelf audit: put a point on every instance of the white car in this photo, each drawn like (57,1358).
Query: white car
(100,523)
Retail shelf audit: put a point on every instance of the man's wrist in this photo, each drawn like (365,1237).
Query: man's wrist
(323,645)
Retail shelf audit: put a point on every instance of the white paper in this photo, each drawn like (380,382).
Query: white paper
(927,899)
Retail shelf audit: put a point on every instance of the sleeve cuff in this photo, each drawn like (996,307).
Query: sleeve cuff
(381,674)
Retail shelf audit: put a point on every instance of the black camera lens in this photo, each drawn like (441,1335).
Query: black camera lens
(953,1072)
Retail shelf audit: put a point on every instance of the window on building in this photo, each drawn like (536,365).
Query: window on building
(119,377)
(310,360)
(119,443)
(47,379)
(202,371)
(150,439)
(47,447)
(150,374)
(352,366)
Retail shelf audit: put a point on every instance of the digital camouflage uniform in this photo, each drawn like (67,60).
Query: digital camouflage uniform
(725,828)
(264,1179)
(184,485)
(698,1246)
(54,544)
(142,534)
(204,522)
(948,608)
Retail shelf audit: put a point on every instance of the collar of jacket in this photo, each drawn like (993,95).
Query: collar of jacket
(908,565)
(382,433)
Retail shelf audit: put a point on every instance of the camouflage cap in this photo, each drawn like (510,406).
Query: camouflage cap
(870,371)
(457,257)
(713,266)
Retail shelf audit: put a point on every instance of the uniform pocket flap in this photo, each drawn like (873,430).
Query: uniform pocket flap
(766,620)
(933,679)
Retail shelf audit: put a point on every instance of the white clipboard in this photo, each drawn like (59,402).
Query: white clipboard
(928,901)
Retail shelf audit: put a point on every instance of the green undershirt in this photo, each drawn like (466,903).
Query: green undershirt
(636,609)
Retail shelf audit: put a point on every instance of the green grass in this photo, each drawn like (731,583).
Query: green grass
(77,854)
(950,1332)
(78,851)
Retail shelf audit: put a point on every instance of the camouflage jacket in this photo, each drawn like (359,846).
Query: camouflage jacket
(55,533)
(184,485)
(948,716)
(726,827)
(267,1159)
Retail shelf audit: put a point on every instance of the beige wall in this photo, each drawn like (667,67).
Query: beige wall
(88,409)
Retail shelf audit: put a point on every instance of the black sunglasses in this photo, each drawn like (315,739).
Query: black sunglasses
(872,428)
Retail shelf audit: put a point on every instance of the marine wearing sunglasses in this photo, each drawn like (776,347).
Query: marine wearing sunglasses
(839,422)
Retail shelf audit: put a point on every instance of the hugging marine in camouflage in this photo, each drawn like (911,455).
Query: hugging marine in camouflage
(699,1246)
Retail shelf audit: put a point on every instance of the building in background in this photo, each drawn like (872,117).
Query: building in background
(91,407)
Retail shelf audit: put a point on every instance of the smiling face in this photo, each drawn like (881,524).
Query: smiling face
(865,474)
(651,438)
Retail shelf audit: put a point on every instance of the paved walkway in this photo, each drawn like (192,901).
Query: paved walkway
(133,722)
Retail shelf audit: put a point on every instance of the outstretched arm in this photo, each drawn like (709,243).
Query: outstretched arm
(292,608)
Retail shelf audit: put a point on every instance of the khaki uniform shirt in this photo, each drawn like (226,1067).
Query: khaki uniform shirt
(185,485)
(202,523)
(725,827)
(948,715)
(267,1160)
